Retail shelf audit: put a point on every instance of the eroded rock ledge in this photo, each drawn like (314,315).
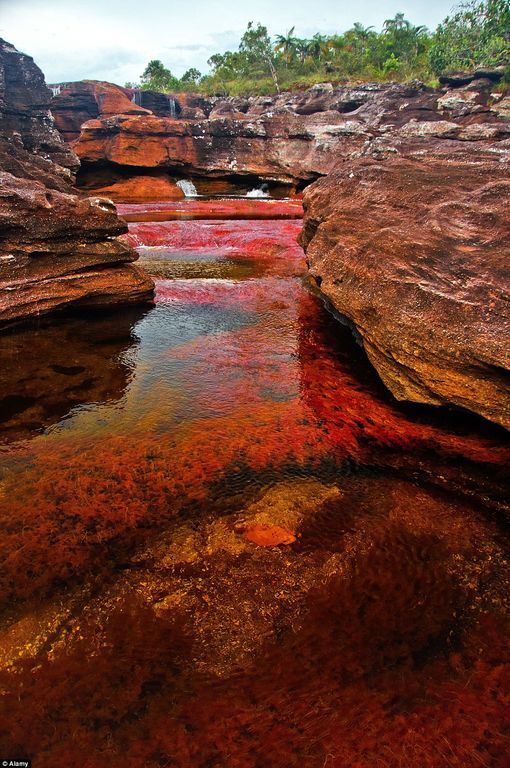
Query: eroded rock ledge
(410,242)
(56,249)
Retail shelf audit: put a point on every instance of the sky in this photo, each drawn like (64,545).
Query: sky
(114,39)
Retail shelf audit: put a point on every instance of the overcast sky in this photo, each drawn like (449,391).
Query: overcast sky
(114,40)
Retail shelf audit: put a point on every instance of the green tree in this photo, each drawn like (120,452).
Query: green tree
(286,45)
(256,48)
(192,76)
(157,77)
(478,33)
(404,41)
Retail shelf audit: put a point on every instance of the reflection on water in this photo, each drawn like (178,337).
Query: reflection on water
(48,369)
(225,545)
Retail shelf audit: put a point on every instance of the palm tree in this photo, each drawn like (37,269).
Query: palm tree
(361,35)
(287,45)
(398,24)
(406,40)
(303,48)
(319,46)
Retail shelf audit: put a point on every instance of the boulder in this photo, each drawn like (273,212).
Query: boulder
(412,251)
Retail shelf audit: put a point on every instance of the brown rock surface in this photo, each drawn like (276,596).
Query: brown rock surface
(75,103)
(288,138)
(139,189)
(413,250)
(56,249)
(291,138)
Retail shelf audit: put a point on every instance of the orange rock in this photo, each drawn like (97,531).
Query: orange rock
(76,103)
(266,535)
(57,249)
(141,188)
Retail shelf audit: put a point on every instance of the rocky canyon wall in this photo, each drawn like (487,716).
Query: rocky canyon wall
(56,249)
(407,234)
(410,241)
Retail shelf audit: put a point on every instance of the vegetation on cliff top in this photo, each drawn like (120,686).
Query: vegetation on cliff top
(477,33)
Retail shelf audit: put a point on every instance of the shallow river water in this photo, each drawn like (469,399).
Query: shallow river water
(224,545)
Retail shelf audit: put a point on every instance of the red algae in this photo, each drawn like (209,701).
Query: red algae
(245,552)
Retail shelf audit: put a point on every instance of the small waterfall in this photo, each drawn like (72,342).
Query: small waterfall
(173,108)
(137,98)
(262,191)
(187,187)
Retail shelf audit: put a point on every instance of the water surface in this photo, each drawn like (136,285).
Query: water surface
(224,544)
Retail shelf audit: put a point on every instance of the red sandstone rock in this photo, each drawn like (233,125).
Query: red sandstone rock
(141,188)
(75,103)
(282,148)
(266,535)
(56,249)
(292,138)
(413,250)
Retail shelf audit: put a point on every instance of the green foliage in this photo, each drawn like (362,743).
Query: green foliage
(191,77)
(156,77)
(478,33)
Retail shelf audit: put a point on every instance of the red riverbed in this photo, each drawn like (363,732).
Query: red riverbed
(225,545)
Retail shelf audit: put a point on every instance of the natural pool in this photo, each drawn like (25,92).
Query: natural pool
(224,545)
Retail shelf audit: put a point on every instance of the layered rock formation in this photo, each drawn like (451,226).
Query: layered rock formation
(290,138)
(56,249)
(407,235)
(88,99)
(410,242)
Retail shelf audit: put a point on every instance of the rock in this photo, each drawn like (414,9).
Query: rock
(29,143)
(495,74)
(245,209)
(459,79)
(460,101)
(413,251)
(456,79)
(266,535)
(288,138)
(56,249)
(75,103)
(142,188)
(502,108)
(160,104)
(279,149)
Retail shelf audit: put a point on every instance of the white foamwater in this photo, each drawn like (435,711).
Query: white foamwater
(187,187)
(257,193)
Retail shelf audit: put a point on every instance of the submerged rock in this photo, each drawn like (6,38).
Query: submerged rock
(56,249)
